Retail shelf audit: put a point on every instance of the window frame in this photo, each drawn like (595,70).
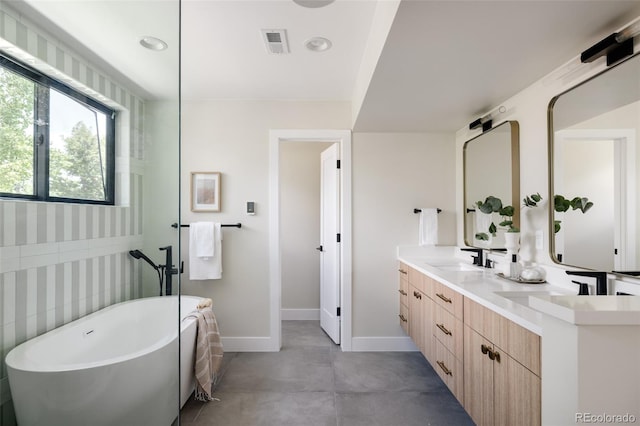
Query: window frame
(41,142)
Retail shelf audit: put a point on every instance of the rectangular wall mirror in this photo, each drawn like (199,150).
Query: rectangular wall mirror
(593,161)
(491,169)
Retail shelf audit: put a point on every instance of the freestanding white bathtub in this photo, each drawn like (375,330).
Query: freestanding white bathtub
(117,366)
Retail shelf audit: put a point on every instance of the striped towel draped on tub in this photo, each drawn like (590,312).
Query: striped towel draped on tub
(209,351)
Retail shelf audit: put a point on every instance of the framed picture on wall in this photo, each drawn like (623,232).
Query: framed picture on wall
(205,191)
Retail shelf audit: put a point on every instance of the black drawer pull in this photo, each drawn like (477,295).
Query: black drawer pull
(444,329)
(444,368)
(443,297)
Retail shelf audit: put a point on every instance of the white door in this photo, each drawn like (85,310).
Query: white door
(329,243)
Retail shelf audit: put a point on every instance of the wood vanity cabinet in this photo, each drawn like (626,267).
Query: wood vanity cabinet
(501,369)
(403,289)
(415,299)
(490,364)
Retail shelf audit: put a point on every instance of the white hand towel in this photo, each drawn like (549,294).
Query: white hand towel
(202,237)
(428,229)
(206,268)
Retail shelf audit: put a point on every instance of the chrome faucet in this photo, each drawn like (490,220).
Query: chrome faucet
(601,279)
(477,259)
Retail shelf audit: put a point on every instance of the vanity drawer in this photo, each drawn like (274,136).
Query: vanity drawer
(449,299)
(449,368)
(404,318)
(403,270)
(449,331)
(404,290)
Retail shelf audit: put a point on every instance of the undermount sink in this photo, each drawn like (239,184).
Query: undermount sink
(522,297)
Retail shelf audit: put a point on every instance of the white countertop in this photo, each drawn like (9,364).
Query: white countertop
(523,304)
(590,310)
(480,285)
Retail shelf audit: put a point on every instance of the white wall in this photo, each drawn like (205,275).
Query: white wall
(233,138)
(393,173)
(300,217)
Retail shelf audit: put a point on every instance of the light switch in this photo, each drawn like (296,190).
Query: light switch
(251,208)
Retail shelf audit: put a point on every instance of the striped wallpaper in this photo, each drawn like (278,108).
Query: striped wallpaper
(59,262)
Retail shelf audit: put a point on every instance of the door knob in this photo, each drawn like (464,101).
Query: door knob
(319,248)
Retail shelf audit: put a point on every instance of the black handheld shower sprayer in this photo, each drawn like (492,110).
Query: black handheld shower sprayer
(137,254)
(167,269)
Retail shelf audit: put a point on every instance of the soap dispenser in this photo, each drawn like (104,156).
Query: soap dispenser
(514,270)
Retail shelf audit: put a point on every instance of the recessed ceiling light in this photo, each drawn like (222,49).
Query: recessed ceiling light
(313,3)
(318,44)
(153,43)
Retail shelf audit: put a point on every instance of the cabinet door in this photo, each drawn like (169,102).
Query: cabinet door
(429,338)
(416,317)
(416,279)
(478,378)
(516,393)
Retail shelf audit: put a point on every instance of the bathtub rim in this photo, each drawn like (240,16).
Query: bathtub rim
(15,358)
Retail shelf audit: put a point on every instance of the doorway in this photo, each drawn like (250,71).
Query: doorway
(300,182)
(599,162)
(342,138)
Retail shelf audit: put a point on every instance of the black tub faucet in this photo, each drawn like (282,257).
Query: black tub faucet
(477,259)
(168,270)
(601,279)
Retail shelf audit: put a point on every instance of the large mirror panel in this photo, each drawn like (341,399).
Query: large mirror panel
(593,161)
(491,169)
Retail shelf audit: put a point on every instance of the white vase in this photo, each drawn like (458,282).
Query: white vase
(512,242)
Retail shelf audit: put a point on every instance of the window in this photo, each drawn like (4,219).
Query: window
(56,144)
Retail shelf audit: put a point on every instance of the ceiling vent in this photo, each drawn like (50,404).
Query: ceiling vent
(276,41)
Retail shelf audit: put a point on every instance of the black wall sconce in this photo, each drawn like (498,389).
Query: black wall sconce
(486,123)
(617,46)
(611,47)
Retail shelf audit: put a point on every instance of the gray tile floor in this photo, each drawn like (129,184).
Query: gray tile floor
(311,382)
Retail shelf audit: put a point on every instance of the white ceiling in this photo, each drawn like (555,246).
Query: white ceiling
(443,63)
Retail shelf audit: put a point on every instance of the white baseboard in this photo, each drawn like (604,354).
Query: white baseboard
(358,344)
(300,314)
(383,344)
(248,344)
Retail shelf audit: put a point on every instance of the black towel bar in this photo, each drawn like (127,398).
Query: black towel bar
(224,225)
(419,210)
